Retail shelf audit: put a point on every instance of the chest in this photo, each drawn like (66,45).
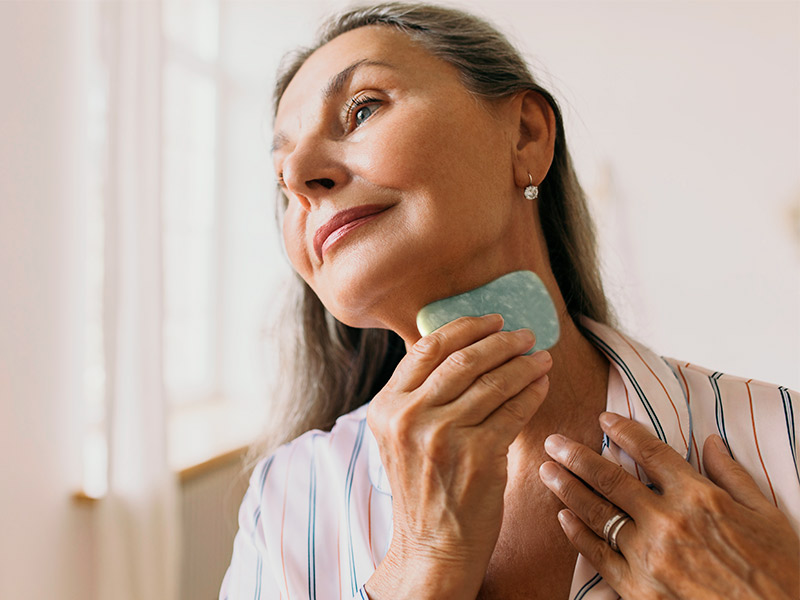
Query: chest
(532,558)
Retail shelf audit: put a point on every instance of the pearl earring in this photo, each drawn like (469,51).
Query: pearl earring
(531,191)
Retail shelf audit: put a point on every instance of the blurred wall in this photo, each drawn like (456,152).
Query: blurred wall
(45,546)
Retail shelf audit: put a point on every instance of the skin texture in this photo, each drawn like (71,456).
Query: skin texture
(439,160)
(461,424)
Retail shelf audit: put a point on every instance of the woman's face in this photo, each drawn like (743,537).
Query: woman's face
(400,184)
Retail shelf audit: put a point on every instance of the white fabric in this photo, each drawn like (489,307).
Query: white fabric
(137,555)
(317,517)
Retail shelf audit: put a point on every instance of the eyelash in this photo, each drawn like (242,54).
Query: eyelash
(354,104)
(352,107)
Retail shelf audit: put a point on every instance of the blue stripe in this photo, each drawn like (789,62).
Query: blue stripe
(256,517)
(714,379)
(624,367)
(312,523)
(788,412)
(259,566)
(348,496)
(605,443)
(588,586)
(257,513)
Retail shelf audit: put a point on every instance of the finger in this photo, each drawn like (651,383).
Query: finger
(429,351)
(730,476)
(662,464)
(611,565)
(508,419)
(606,477)
(490,390)
(478,363)
(590,508)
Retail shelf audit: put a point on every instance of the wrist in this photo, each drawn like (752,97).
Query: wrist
(423,578)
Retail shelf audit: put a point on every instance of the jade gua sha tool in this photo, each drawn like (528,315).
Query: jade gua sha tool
(520,297)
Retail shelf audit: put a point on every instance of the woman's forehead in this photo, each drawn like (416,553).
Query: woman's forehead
(366,46)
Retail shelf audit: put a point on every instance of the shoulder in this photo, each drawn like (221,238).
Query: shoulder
(757,422)
(736,394)
(288,470)
(296,507)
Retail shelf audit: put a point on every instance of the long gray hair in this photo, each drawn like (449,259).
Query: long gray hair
(336,368)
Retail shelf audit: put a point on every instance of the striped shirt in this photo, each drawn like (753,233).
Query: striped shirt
(317,517)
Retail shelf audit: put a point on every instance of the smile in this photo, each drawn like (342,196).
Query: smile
(343,223)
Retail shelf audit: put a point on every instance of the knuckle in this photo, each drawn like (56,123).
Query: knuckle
(670,528)
(597,514)
(570,490)
(516,410)
(399,426)
(436,444)
(375,416)
(706,496)
(430,346)
(610,480)
(494,383)
(572,458)
(653,451)
(464,359)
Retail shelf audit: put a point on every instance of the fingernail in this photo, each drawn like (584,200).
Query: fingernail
(495,319)
(526,335)
(720,444)
(566,519)
(542,357)
(608,419)
(548,472)
(554,444)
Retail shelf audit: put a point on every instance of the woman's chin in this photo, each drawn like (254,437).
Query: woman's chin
(365,297)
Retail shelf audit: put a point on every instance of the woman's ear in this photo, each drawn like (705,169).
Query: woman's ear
(535,137)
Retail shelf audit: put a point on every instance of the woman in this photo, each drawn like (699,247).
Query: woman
(418,159)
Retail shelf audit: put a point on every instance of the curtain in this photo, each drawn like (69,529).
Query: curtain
(138,519)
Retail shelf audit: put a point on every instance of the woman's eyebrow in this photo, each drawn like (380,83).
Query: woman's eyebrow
(338,81)
(334,87)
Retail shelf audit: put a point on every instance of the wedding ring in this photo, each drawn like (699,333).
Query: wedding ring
(613,527)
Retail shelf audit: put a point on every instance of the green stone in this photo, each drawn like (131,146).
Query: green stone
(520,297)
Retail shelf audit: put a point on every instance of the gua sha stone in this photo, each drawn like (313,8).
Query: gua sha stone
(520,297)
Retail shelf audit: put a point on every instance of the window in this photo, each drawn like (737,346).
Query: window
(190,202)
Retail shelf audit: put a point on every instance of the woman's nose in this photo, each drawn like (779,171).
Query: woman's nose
(310,174)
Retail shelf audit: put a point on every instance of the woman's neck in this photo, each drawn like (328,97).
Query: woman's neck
(577,394)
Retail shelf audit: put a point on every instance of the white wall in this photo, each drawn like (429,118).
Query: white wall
(45,546)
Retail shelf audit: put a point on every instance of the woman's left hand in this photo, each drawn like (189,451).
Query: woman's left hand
(694,538)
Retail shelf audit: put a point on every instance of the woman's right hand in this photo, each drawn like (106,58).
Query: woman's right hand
(444,423)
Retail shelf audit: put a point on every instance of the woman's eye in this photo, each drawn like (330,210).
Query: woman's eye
(359,110)
(363,113)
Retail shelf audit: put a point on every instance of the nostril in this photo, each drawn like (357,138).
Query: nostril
(324,182)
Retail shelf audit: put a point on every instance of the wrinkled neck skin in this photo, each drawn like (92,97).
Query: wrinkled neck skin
(579,377)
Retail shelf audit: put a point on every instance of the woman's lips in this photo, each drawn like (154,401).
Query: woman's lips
(343,223)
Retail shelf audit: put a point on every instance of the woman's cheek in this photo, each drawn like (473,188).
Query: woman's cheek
(294,241)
